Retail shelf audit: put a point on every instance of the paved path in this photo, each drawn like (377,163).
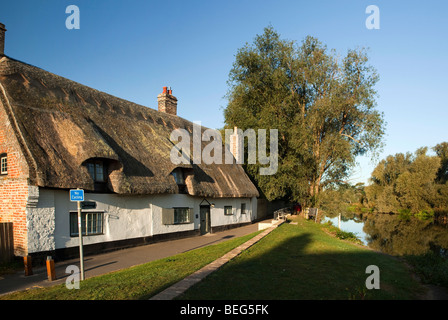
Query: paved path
(95,265)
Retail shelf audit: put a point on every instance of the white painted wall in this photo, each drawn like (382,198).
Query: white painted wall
(40,220)
(125,217)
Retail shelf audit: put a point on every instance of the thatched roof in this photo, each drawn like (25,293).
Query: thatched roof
(61,124)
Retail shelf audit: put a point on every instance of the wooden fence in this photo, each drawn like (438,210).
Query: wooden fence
(6,242)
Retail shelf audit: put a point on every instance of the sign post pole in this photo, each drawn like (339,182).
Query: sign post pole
(78,196)
(81,253)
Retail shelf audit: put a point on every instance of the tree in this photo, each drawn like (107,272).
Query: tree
(442,152)
(322,106)
(409,182)
(343,198)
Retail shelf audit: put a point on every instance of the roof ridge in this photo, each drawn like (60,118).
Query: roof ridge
(20,66)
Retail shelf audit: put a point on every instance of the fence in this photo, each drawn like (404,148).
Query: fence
(6,242)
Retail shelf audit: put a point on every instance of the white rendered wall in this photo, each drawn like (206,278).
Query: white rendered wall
(125,217)
(40,220)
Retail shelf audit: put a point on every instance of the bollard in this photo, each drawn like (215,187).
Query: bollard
(50,269)
(28,266)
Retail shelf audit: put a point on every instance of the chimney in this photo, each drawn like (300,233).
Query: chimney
(167,102)
(2,39)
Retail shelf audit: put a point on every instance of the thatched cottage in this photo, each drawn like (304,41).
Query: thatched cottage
(57,135)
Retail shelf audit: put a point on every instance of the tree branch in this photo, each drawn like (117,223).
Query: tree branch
(348,136)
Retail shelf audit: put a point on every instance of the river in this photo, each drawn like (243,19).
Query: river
(394,235)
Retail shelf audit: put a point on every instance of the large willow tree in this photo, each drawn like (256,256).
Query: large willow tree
(323,107)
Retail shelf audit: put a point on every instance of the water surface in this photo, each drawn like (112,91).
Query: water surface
(394,235)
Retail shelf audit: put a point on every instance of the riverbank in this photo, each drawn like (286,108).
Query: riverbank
(302,261)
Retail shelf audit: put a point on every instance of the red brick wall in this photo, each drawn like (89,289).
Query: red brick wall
(14,185)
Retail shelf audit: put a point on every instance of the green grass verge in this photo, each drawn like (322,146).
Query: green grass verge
(304,262)
(431,268)
(300,261)
(139,282)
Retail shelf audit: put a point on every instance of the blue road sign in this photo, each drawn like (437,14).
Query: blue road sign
(76,195)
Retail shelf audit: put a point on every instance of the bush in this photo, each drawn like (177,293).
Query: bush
(405,214)
(340,234)
(425,215)
(344,235)
(431,267)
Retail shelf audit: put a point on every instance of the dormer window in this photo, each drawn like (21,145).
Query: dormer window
(96,170)
(4,163)
(179,177)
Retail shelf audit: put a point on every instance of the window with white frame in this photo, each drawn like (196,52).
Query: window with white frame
(182,215)
(228,210)
(91,222)
(4,164)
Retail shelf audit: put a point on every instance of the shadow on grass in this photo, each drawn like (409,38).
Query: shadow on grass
(293,264)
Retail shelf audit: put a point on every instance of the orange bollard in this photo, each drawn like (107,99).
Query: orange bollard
(50,269)
(28,266)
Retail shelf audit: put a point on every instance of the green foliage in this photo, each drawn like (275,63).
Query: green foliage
(425,215)
(405,214)
(343,198)
(431,267)
(410,184)
(345,235)
(442,152)
(340,234)
(322,106)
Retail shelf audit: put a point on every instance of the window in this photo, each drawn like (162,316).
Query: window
(228,210)
(243,208)
(178,175)
(182,215)
(4,164)
(91,222)
(96,170)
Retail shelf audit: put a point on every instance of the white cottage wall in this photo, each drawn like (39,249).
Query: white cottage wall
(124,217)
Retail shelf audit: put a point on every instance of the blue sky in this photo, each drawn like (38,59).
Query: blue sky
(131,49)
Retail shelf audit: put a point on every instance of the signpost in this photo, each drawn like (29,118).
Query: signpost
(77,195)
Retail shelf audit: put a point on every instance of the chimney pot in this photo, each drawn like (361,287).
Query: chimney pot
(167,102)
(2,39)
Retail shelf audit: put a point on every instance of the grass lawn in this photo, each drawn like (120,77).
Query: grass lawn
(293,262)
(303,262)
(139,282)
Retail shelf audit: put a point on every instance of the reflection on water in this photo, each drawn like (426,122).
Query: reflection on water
(391,234)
